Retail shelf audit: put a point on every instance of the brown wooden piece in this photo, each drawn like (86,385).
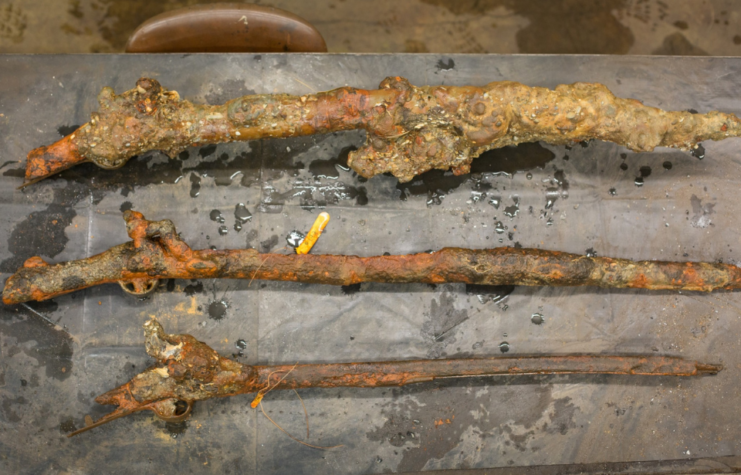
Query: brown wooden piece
(226,28)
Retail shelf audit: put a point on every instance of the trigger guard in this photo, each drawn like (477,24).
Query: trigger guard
(167,417)
(148,286)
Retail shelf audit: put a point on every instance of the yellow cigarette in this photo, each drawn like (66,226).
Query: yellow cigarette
(314,233)
(256,401)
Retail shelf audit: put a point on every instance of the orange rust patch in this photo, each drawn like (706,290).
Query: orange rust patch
(640,282)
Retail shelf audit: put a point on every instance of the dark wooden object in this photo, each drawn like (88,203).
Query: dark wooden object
(226,27)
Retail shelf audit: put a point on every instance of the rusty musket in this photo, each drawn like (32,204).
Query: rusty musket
(188,370)
(157,252)
(410,129)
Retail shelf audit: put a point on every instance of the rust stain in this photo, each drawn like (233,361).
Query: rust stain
(191,309)
(439,422)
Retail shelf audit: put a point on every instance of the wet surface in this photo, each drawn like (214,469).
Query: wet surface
(175,429)
(40,234)
(701,213)
(507,161)
(331,168)
(194,288)
(490,293)
(51,371)
(350,289)
(52,348)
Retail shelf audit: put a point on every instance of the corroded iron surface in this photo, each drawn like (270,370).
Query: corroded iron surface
(157,252)
(187,371)
(410,129)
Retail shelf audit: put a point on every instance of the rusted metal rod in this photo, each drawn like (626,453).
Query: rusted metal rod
(157,252)
(188,371)
(410,129)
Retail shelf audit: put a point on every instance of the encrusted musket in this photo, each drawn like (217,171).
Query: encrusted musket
(187,371)
(157,252)
(410,129)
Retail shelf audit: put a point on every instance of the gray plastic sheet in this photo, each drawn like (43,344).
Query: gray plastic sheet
(588,198)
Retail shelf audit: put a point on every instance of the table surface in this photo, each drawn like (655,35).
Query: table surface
(684,210)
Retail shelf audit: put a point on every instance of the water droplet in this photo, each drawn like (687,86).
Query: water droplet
(529,176)
(223,230)
(537,318)
(698,152)
(242,214)
(645,172)
(477,196)
(489,293)
(550,199)
(241,344)
(195,185)
(217,309)
(549,222)
(623,166)
(379,459)
(216,215)
(504,347)
(295,238)
(495,201)
(591,252)
(435,198)
(612,191)
(499,227)
(514,209)
(559,176)
(667,165)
